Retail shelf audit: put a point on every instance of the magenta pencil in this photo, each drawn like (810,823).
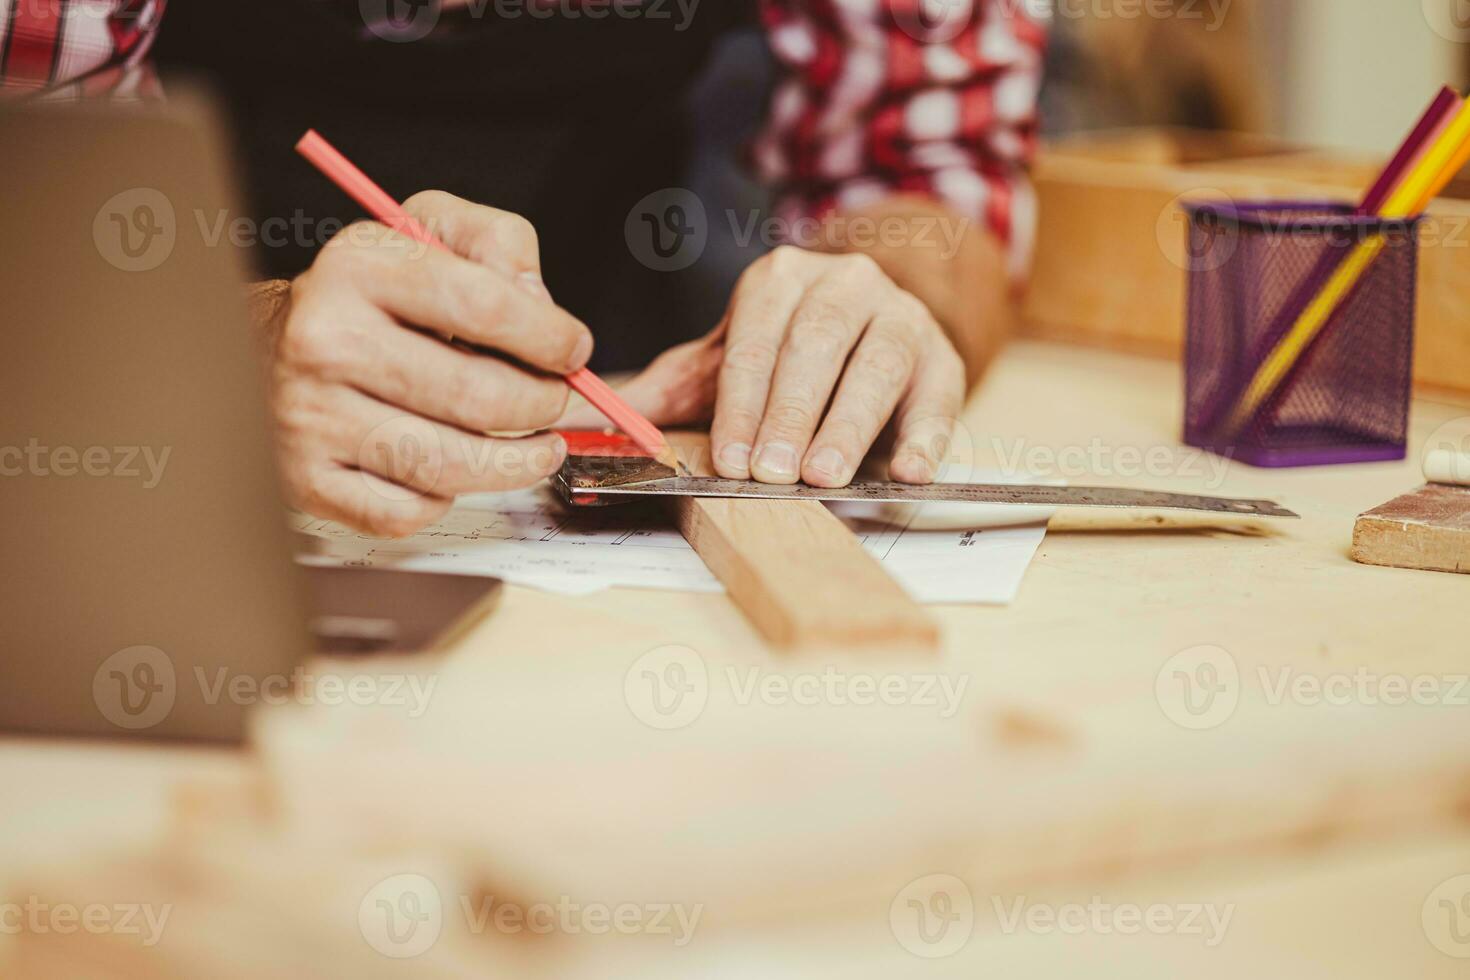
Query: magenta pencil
(1424,132)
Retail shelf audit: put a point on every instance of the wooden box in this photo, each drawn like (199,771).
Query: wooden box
(1109,258)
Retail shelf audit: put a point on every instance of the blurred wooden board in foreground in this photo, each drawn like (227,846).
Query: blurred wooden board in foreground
(1110,264)
(1427,529)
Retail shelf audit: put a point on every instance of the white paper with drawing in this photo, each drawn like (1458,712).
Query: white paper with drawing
(528,538)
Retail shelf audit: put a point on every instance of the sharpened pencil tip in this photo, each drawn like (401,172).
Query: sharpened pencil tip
(670,458)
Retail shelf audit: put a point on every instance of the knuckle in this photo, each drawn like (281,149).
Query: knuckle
(854,271)
(737,424)
(750,356)
(299,340)
(438,210)
(337,258)
(791,412)
(772,284)
(294,414)
(352,245)
(784,268)
(516,234)
(310,340)
(860,264)
(822,330)
(787,259)
(355,255)
(429,200)
(569,342)
(887,358)
(867,403)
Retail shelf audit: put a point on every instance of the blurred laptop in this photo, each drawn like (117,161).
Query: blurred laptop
(145,551)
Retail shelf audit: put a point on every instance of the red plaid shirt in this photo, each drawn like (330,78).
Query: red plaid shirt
(68,49)
(934,97)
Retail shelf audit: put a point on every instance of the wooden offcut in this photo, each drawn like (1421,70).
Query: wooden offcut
(800,576)
(1427,529)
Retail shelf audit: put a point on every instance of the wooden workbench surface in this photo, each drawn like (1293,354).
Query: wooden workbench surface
(1077,763)
(1111,583)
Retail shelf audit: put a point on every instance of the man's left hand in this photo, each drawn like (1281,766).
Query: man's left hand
(817,355)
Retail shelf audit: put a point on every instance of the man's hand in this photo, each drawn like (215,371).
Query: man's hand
(817,354)
(380,422)
(820,352)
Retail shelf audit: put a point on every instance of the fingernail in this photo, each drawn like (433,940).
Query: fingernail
(828,462)
(913,468)
(775,461)
(736,458)
(533,283)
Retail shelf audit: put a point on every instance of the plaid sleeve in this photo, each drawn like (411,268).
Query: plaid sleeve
(935,97)
(73,49)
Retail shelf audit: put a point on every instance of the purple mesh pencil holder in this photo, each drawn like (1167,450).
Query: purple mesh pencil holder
(1254,267)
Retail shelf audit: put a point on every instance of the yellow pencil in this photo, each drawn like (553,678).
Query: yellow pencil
(1449,154)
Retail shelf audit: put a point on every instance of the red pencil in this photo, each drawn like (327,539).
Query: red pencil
(380,204)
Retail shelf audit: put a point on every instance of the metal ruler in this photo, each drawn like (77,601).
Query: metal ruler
(598,481)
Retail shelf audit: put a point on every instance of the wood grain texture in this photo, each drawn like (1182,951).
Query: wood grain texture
(799,575)
(1061,776)
(1428,529)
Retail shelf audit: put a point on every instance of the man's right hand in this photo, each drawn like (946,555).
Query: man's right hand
(379,422)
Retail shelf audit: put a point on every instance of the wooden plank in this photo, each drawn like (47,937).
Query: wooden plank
(796,571)
(1427,529)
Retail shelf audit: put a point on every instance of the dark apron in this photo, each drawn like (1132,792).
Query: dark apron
(569,121)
